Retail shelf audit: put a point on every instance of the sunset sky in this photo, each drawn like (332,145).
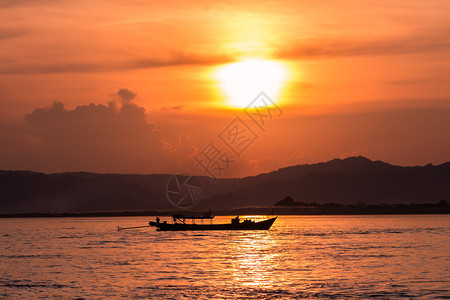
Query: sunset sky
(144,86)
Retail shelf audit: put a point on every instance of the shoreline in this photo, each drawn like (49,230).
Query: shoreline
(440,208)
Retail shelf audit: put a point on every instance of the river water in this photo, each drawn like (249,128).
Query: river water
(323,257)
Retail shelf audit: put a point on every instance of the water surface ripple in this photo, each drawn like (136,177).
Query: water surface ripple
(323,257)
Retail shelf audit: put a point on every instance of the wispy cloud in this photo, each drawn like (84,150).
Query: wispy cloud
(25,3)
(6,33)
(359,47)
(176,59)
(305,49)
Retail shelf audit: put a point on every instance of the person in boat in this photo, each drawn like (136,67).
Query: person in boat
(235,220)
(157,219)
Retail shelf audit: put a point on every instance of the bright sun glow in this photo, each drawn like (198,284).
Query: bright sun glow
(243,81)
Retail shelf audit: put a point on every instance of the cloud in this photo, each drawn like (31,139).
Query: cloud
(126,95)
(59,67)
(173,108)
(360,47)
(16,3)
(6,33)
(179,58)
(174,59)
(267,164)
(99,137)
(118,138)
(94,137)
(183,151)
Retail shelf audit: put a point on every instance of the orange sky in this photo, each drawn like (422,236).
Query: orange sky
(365,78)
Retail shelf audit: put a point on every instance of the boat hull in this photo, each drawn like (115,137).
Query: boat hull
(262,225)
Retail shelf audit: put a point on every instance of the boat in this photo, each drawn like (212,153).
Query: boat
(180,224)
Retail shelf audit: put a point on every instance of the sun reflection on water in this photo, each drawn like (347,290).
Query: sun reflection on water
(254,262)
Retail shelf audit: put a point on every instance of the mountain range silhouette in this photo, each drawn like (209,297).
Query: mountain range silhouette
(341,181)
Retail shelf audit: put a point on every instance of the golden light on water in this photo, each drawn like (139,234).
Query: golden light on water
(242,81)
(252,266)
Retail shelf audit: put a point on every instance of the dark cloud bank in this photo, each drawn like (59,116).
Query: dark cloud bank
(95,137)
(119,138)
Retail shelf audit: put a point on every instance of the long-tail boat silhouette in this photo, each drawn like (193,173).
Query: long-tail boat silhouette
(180,224)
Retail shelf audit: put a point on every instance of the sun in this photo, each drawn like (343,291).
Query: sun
(242,81)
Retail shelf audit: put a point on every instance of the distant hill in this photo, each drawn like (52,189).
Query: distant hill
(37,192)
(341,181)
(348,181)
